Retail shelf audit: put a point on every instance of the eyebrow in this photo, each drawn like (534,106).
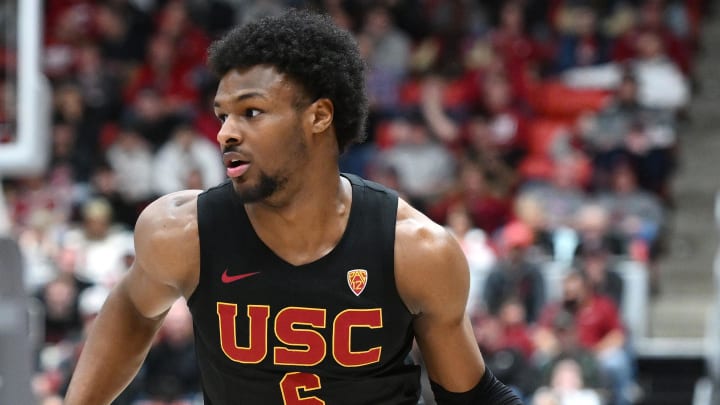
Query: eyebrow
(244,96)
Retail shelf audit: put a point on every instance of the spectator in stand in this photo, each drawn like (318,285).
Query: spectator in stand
(99,86)
(51,192)
(101,245)
(481,148)
(528,209)
(60,299)
(38,242)
(387,52)
(104,185)
(71,110)
(567,385)
(598,266)
(122,33)
(506,343)
(628,131)
(441,115)
(545,396)
(651,17)
(514,276)
(660,83)
(424,167)
(507,122)
(68,24)
(506,330)
(582,43)
(170,375)
(150,116)
(595,228)
(131,158)
(562,197)
(559,343)
(599,330)
(57,361)
(163,71)
(519,52)
(190,42)
(478,252)
(186,152)
(488,209)
(639,216)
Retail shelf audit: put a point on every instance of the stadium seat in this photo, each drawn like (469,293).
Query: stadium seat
(553,99)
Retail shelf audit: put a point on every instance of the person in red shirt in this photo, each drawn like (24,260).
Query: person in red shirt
(598,327)
(505,341)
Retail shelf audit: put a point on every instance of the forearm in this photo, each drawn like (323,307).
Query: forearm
(114,351)
(612,340)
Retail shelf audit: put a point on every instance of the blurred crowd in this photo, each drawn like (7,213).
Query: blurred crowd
(536,131)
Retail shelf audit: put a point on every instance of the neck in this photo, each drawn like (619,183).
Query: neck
(301,201)
(308,217)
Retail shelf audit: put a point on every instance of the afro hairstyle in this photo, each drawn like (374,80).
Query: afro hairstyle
(323,59)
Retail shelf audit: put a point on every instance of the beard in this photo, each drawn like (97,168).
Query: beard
(266,187)
(270,184)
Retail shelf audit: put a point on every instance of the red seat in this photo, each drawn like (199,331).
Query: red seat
(556,100)
(543,132)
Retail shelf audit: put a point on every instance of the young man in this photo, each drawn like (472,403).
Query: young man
(306,286)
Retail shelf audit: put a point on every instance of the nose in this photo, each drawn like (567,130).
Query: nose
(229,134)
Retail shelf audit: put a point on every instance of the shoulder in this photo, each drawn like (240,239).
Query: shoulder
(167,213)
(605,303)
(166,238)
(429,262)
(416,233)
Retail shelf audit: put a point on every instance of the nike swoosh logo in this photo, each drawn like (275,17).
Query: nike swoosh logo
(227,279)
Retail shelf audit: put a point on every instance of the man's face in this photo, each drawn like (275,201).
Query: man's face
(262,137)
(574,293)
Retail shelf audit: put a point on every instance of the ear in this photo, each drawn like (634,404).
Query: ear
(321,115)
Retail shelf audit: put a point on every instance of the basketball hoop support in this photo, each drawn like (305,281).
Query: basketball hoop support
(30,151)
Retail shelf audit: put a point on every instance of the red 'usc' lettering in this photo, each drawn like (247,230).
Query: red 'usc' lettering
(296,328)
(256,350)
(315,347)
(342,335)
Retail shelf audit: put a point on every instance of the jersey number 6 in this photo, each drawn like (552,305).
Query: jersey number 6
(292,383)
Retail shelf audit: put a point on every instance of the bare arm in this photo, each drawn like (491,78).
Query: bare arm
(615,339)
(166,267)
(433,278)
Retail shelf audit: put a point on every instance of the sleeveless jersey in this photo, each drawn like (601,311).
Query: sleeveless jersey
(333,331)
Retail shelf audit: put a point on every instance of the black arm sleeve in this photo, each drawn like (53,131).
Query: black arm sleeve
(489,391)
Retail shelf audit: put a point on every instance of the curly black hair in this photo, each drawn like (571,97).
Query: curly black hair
(313,52)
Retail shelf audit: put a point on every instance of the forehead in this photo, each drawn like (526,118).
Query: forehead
(261,79)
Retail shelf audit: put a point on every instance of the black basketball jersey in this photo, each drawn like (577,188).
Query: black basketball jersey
(333,331)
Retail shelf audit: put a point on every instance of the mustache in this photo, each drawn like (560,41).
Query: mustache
(230,148)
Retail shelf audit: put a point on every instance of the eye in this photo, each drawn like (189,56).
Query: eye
(222,118)
(252,112)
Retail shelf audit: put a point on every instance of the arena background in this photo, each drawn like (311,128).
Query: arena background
(674,313)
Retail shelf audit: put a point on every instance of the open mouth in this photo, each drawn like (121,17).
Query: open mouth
(235,163)
(233,159)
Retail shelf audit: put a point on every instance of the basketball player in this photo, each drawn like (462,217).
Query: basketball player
(306,286)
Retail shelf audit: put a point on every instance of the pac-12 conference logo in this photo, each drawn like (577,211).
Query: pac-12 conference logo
(357,280)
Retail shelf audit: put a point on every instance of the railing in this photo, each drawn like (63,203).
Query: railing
(712,325)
